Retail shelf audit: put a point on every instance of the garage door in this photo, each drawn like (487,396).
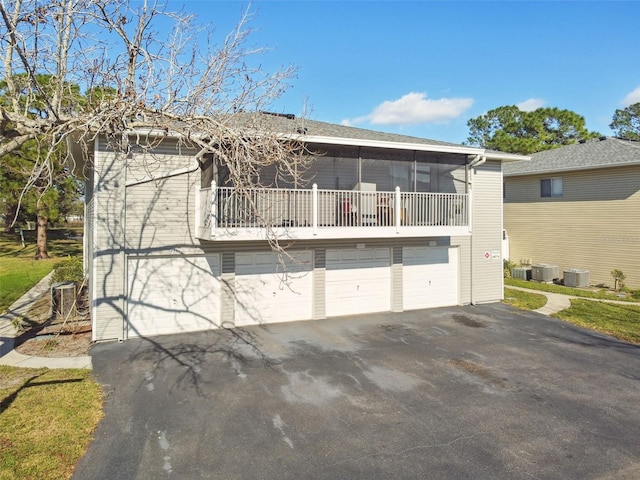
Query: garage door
(173,295)
(265,295)
(429,277)
(358,281)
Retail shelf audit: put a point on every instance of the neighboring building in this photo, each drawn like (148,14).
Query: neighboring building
(577,207)
(388,223)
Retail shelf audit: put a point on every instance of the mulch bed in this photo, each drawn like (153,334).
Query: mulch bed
(45,335)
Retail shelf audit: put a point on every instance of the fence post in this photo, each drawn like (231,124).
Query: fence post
(214,208)
(470,210)
(314,208)
(396,210)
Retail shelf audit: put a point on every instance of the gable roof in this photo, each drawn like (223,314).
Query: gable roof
(605,152)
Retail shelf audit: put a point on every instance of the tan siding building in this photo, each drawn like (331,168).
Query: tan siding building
(592,222)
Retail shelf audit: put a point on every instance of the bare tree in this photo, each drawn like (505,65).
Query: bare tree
(138,76)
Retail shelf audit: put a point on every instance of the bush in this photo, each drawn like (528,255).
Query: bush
(618,279)
(508,265)
(68,270)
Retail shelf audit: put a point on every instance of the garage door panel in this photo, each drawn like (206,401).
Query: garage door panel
(430,277)
(358,281)
(265,295)
(173,295)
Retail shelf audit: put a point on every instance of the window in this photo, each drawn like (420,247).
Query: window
(551,187)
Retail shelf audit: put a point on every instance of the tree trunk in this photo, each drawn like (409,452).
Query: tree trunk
(41,237)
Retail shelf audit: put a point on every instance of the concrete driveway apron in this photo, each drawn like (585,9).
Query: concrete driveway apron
(481,392)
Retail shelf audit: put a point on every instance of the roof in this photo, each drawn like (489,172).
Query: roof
(604,152)
(313,131)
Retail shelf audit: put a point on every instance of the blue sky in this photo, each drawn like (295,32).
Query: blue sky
(424,68)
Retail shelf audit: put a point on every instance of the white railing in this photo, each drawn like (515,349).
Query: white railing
(229,208)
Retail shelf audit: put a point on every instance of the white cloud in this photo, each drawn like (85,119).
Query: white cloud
(631,98)
(415,108)
(531,104)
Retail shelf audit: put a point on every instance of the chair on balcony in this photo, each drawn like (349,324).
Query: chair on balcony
(384,210)
(347,212)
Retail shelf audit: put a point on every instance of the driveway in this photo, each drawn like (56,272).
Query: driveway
(485,392)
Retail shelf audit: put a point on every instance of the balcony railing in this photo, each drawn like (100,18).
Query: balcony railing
(228,209)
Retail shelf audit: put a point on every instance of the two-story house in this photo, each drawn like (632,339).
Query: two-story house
(577,207)
(385,222)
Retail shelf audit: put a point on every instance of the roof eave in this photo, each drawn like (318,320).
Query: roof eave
(574,169)
(358,142)
(507,157)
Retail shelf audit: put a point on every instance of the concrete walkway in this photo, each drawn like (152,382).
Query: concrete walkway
(8,356)
(557,302)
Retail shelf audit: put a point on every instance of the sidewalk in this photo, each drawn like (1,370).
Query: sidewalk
(8,356)
(557,302)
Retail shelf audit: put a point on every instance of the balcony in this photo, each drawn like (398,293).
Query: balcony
(225,213)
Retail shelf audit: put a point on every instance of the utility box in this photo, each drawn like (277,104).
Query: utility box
(521,273)
(544,273)
(576,278)
(63,299)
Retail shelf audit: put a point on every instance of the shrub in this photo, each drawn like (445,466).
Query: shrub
(618,279)
(508,265)
(69,270)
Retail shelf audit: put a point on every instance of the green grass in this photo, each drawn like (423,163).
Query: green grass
(47,419)
(620,321)
(19,271)
(524,300)
(576,292)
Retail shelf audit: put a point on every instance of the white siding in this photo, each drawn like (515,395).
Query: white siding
(108,287)
(486,250)
(173,294)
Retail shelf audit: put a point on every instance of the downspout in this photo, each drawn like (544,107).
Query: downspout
(125,264)
(477,161)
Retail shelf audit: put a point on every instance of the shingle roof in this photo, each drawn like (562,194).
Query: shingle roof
(605,152)
(295,125)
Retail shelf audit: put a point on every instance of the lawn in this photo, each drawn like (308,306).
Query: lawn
(19,271)
(524,300)
(576,292)
(47,419)
(620,321)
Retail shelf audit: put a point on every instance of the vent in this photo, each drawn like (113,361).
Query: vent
(544,273)
(576,278)
(521,273)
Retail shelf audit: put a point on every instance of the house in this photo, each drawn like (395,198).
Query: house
(577,207)
(386,223)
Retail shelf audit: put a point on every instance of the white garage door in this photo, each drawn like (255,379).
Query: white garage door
(358,281)
(265,295)
(173,295)
(429,277)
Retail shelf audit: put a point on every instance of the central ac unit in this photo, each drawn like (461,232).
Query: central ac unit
(521,273)
(544,273)
(576,278)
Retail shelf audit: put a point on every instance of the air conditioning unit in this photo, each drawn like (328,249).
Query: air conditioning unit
(576,278)
(521,273)
(544,273)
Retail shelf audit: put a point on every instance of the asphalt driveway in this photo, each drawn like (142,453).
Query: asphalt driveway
(486,392)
